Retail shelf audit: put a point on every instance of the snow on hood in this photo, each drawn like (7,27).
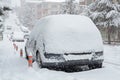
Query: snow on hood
(69,34)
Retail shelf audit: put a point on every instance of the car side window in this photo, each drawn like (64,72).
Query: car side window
(30,43)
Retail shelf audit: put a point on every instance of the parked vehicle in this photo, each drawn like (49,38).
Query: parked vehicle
(26,32)
(17,36)
(65,40)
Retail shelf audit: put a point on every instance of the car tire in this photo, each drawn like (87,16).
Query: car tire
(99,65)
(94,66)
(38,60)
(91,66)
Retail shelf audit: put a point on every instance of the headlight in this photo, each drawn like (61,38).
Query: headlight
(99,53)
(53,56)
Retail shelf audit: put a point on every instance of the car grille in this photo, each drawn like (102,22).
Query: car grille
(77,53)
(18,40)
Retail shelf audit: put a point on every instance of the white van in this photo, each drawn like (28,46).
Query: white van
(65,40)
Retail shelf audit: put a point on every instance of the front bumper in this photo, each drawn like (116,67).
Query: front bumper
(71,63)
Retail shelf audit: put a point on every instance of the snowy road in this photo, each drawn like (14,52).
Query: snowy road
(13,67)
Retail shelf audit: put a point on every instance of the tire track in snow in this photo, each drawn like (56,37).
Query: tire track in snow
(112,64)
(115,64)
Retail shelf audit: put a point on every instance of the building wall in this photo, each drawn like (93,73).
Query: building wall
(48,8)
(32,11)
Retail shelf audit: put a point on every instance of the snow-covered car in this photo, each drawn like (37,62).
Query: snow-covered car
(17,36)
(26,32)
(64,41)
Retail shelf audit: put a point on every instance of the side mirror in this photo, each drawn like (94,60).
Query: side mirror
(26,37)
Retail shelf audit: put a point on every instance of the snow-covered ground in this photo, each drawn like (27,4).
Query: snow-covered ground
(14,67)
(112,54)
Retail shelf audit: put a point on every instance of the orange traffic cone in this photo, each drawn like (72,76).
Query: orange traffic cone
(21,53)
(30,61)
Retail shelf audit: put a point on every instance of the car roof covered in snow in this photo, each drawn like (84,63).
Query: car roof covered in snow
(68,33)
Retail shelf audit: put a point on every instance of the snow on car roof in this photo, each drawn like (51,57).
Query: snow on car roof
(68,34)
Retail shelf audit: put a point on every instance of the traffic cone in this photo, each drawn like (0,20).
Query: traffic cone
(30,61)
(21,53)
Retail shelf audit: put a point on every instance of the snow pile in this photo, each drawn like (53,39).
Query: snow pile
(68,34)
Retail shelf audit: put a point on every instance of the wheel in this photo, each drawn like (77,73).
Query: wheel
(91,66)
(26,56)
(99,65)
(94,66)
(38,60)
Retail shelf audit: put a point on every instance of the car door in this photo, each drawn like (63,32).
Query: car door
(34,46)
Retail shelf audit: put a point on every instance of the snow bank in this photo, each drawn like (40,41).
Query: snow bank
(68,34)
